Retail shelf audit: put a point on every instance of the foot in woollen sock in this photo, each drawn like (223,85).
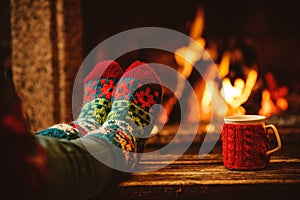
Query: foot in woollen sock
(98,87)
(131,118)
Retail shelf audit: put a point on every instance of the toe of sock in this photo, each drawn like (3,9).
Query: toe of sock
(108,69)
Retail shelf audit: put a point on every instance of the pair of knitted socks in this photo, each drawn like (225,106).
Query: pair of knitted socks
(119,104)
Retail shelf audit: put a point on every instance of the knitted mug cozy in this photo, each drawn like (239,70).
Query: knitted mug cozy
(244,147)
(132,117)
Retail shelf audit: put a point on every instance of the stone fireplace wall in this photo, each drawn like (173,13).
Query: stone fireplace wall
(46,54)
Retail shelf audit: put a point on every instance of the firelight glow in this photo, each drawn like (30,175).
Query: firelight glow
(186,57)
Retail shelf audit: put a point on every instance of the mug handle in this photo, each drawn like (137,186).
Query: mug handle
(277,138)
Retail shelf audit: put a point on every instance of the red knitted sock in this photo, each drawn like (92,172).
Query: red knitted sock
(98,87)
(131,118)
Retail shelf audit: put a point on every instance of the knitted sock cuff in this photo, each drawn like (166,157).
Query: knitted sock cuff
(85,125)
(62,131)
(119,134)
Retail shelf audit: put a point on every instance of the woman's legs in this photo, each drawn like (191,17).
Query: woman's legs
(67,168)
(73,169)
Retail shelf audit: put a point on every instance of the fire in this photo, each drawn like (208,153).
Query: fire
(197,26)
(273,97)
(234,93)
(186,57)
(224,64)
(237,94)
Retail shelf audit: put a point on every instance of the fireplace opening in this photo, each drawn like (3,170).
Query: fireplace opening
(254,44)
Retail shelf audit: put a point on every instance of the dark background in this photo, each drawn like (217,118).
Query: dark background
(272,26)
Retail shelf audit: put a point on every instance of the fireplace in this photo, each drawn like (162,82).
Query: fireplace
(254,38)
(254,44)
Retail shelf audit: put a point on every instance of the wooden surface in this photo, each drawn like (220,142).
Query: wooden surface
(192,178)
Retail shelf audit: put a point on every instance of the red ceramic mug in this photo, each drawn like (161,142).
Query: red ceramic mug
(245,142)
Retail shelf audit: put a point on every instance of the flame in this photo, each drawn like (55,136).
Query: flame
(267,105)
(237,94)
(186,57)
(197,26)
(211,92)
(233,94)
(224,64)
(207,97)
(273,97)
(282,103)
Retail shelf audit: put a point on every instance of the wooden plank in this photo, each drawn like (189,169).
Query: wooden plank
(212,172)
(192,178)
(257,192)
